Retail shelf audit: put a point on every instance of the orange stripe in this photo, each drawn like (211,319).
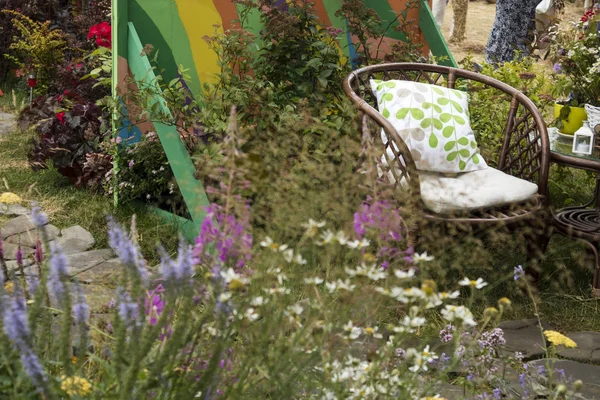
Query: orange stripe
(322,12)
(228,12)
(413,31)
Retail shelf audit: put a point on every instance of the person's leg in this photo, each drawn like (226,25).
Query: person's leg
(459,9)
(439,10)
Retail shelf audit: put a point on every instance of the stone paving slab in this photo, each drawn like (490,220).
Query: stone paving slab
(75,240)
(587,350)
(10,251)
(29,238)
(573,370)
(17,225)
(105,273)
(524,336)
(11,210)
(8,123)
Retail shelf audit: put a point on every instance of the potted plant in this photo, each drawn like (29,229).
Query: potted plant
(576,52)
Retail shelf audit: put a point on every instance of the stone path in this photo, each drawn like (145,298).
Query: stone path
(95,269)
(578,363)
(7,123)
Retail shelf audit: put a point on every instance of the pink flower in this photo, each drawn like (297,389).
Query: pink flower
(131,163)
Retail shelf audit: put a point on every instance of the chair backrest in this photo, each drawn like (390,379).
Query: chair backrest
(525,150)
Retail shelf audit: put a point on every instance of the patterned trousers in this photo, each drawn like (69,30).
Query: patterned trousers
(459,9)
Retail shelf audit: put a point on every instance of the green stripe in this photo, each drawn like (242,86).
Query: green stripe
(434,37)
(179,159)
(331,6)
(387,14)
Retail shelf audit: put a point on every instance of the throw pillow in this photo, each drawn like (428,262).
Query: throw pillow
(433,121)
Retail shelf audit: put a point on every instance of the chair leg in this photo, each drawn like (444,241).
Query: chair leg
(596,281)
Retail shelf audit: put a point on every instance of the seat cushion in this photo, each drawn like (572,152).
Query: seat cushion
(444,193)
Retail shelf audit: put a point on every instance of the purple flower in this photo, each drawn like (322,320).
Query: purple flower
(519,272)
(15,321)
(58,271)
(126,250)
(557,68)
(33,367)
(127,309)
(19,256)
(131,163)
(154,304)
(497,394)
(33,283)
(1,248)
(39,252)
(38,217)
(522,380)
(179,270)
(401,353)
(228,234)
(447,334)
(81,310)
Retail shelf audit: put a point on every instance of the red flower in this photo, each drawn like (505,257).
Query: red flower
(103,34)
(61,117)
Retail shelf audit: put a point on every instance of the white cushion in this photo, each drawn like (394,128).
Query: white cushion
(434,123)
(473,190)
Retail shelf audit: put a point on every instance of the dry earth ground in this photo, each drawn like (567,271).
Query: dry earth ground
(479,24)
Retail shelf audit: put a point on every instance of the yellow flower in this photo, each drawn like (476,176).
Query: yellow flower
(490,312)
(504,302)
(75,385)
(559,339)
(9,198)
(9,287)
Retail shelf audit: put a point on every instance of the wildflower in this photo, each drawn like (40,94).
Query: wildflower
(340,285)
(490,312)
(557,68)
(288,255)
(477,284)
(420,360)
(312,227)
(557,339)
(497,394)
(358,244)
(461,313)
(228,234)
(449,295)
(179,270)
(372,272)
(17,329)
(447,334)
(298,259)
(38,217)
(75,385)
(39,252)
(257,301)
(504,302)
(81,311)
(313,281)
(353,331)
(519,272)
(422,257)
(19,256)
(234,280)
(128,252)
(251,315)
(58,272)
(154,304)
(405,274)
(127,309)
(10,198)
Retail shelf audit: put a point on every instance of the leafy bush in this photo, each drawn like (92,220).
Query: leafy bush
(488,115)
(37,48)
(67,139)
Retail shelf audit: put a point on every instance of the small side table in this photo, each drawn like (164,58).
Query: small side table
(580,222)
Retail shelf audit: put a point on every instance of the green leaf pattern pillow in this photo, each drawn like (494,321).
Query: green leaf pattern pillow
(433,121)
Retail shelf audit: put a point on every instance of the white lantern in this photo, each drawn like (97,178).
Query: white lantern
(583,140)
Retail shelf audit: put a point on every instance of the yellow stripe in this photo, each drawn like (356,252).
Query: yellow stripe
(198,17)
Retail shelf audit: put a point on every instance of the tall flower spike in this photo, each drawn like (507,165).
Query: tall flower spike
(39,252)
(126,249)
(38,217)
(58,270)
(81,310)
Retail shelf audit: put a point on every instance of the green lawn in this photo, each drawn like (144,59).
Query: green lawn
(67,205)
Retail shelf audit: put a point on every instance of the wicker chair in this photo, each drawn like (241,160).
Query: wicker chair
(525,150)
